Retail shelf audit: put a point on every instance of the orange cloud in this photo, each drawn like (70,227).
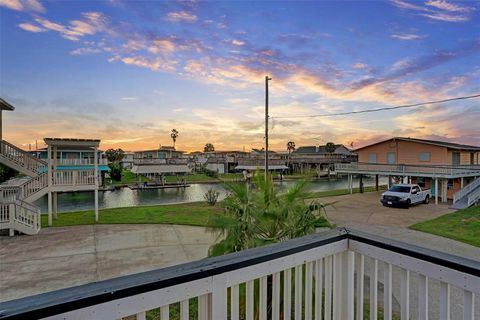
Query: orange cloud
(23,5)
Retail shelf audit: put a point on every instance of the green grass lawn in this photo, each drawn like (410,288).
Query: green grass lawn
(462,225)
(196,214)
(128,177)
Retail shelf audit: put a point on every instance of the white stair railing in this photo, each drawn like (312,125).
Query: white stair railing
(466,190)
(21,216)
(473,197)
(21,157)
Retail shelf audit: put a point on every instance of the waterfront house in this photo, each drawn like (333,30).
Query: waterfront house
(155,164)
(47,176)
(318,158)
(127,161)
(221,161)
(444,167)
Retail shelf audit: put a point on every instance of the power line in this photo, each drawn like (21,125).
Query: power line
(379,109)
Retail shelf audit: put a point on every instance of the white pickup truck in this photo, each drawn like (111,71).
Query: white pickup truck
(405,195)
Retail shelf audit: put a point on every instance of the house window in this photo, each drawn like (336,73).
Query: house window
(424,156)
(372,158)
(456,158)
(391,157)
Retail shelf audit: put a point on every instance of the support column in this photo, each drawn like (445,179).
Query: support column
(444,190)
(436,191)
(55,204)
(360,183)
(461,183)
(376,182)
(50,218)
(389,183)
(49,177)
(95,160)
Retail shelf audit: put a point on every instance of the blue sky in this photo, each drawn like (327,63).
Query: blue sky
(129,72)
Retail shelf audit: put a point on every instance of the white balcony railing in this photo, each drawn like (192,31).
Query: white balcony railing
(73,177)
(158,161)
(407,169)
(80,162)
(306,278)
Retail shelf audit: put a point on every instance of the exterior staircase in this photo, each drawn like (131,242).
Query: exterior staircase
(468,196)
(16,210)
(20,160)
(21,216)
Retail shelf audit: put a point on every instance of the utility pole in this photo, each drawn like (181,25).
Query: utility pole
(266,126)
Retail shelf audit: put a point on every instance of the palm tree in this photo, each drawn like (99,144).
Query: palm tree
(330,147)
(174,136)
(257,215)
(290,147)
(208,147)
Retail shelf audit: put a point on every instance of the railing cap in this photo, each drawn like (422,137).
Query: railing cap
(68,299)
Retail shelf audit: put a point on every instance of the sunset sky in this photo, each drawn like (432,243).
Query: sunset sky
(129,72)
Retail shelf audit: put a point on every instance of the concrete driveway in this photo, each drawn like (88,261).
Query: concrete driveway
(366,208)
(63,257)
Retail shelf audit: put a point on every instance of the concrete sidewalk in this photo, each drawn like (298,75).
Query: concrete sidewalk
(63,257)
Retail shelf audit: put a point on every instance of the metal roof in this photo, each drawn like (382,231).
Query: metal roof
(4,105)
(444,144)
(71,142)
(319,150)
(162,168)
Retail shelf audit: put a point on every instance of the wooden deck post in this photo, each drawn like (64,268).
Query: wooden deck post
(376,182)
(436,191)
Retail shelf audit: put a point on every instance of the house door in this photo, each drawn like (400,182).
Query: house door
(456,158)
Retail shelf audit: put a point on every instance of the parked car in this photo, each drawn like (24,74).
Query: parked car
(405,195)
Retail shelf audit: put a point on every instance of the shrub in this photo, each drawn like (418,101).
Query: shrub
(211,196)
(115,171)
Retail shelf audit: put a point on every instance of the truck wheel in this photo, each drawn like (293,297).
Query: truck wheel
(409,203)
(427,199)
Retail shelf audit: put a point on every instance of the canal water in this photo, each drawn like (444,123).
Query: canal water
(125,197)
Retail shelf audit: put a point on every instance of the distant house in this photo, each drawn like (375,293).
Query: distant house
(127,161)
(164,152)
(157,163)
(317,157)
(220,161)
(444,167)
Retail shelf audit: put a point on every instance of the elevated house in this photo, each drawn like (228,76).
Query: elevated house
(450,170)
(319,158)
(127,161)
(256,160)
(70,155)
(47,176)
(221,161)
(157,163)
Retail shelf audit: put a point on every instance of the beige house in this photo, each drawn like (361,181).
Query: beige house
(450,170)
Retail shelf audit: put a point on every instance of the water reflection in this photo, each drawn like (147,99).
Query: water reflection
(126,197)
